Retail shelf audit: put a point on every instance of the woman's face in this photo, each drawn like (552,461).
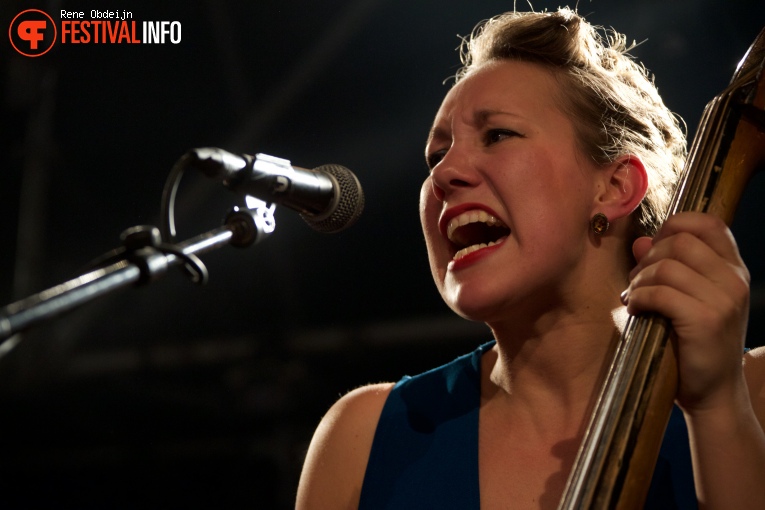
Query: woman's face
(506,207)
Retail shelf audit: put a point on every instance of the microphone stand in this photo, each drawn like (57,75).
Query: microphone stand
(142,259)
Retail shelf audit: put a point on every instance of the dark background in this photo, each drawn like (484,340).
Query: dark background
(174,395)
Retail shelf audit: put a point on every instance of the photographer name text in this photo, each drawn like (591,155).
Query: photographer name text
(115,27)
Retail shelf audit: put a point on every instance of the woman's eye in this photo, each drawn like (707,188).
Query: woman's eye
(434,158)
(497,135)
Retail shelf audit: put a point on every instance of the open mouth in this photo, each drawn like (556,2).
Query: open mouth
(475,230)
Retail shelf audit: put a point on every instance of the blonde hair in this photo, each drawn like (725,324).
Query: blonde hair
(616,105)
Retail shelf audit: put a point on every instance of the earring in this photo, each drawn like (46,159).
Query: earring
(599,224)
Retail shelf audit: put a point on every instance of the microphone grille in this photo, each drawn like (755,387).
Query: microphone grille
(350,201)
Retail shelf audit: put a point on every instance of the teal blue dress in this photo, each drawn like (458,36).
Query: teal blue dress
(425,450)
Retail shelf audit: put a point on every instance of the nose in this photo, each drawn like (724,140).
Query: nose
(455,171)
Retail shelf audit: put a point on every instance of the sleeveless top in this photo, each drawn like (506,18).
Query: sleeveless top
(425,450)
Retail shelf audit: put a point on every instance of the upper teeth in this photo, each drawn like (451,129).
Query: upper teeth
(474,216)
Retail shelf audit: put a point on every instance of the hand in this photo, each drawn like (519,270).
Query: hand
(692,273)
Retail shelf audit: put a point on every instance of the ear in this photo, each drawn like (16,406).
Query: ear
(621,188)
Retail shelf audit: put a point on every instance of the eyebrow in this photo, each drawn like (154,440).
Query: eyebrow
(436,133)
(480,118)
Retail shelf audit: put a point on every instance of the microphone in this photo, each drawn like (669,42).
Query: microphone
(329,198)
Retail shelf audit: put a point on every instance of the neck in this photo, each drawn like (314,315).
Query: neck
(552,370)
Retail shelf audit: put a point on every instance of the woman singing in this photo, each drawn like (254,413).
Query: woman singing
(552,159)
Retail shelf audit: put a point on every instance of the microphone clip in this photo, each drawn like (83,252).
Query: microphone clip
(252,224)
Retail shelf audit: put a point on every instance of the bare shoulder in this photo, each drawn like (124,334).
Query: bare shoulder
(754,371)
(334,467)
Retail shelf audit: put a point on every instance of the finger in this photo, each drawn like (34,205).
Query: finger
(640,247)
(693,252)
(680,277)
(710,229)
(685,312)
